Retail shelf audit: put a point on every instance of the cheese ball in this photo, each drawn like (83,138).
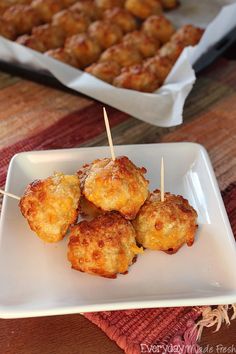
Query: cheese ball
(22,17)
(105,33)
(122,18)
(105,246)
(187,35)
(71,22)
(50,205)
(51,36)
(137,78)
(47,8)
(159,28)
(84,48)
(89,8)
(147,46)
(32,42)
(169,4)
(61,55)
(105,71)
(171,50)
(115,185)
(6,29)
(123,54)
(144,8)
(165,226)
(109,4)
(159,66)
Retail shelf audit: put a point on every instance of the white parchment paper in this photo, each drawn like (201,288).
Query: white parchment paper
(165,106)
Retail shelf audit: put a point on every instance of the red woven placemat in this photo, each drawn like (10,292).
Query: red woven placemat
(162,330)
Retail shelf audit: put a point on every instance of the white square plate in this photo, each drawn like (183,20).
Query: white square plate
(36,278)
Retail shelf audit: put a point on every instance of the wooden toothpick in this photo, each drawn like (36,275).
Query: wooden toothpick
(162,180)
(9,194)
(109,134)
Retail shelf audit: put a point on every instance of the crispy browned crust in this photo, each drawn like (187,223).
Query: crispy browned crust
(158,27)
(122,18)
(187,35)
(137,78)
(146,45)
(51,36)
(61,55)
(32,42)
(104,246)
(105,33)
(159,66)
(71,21)
(47,8)
(144,8)
(109,4)
(167,225)
(115,185)
(89,8)
(105,71)
(51,206)
(7,29)
(123,54)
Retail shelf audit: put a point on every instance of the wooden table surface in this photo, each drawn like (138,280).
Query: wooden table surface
(209,118)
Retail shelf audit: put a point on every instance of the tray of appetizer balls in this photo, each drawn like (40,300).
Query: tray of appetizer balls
(129,44)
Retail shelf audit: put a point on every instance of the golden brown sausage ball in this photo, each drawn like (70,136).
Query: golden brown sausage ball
(159,66)
(188,35)
(89,8)
(169,4)
(171,50)
(61,55)
(137,78)
(158,27)
(105,246)
(32,42)
(105,33)
(84,48)
(122,18)
(115,185)
(22,17)
(50,205)
(123,54)
(109,4)
(167,225)
(68,3)
(47,8)
(6,29)
(105,71)
(144,8)
(51,36)
(147,46)
(71,22)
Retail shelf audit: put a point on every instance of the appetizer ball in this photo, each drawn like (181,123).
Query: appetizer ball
(188,35)
(6,29)
(105,33)
(123,54)
(68,3)
(169,4)
(89,8)
(122,18)
(158,27)
(22,17)
(109,4)
(47,8)
(32,42)
(165,226)
(137,78)
(147,46)
(61,55)
(84,48)
(51,36)
(171,50)
(144,8)
(115,185)
(105,246)
(71,22)
(159,66)
(50,205)
(4,4)
(105,71)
